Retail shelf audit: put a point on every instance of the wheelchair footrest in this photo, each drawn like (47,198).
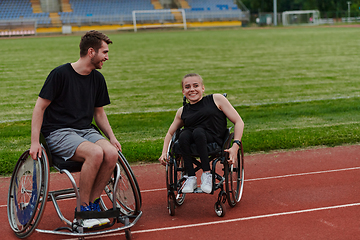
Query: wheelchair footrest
(111,213)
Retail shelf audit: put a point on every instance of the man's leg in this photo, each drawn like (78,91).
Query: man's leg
(110,158)
(92,156)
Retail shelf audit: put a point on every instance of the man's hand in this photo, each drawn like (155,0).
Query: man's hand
(35,150)
(116,143)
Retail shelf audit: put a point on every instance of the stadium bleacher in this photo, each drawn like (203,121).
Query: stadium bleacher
(201,10)
(212,5)
(103,10)
(21,9)
(90,12)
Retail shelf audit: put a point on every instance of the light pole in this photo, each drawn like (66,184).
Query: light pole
(348,10)
(275,13)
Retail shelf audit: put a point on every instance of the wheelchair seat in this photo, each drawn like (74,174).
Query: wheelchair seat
(214,149)
(58,162)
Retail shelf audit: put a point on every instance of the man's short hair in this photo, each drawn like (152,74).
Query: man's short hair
(92,39)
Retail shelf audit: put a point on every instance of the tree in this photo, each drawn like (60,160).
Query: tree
(256,6)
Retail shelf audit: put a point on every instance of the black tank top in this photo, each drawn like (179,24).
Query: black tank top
(205,114)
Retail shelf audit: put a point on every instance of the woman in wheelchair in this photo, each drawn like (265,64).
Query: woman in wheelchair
(204,119)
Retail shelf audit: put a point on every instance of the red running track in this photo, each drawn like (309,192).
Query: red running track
(308,194)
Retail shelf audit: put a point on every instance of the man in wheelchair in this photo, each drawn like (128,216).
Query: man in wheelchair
(72,96)
(204,119)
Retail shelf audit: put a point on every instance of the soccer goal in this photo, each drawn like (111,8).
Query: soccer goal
(159,18)
(305,17)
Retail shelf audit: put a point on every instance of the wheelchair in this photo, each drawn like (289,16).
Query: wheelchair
(228,178)
(29,193)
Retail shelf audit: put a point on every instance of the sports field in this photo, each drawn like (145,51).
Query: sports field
(293,87)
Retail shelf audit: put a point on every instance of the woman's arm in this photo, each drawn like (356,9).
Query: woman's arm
(230,112)
(176,124)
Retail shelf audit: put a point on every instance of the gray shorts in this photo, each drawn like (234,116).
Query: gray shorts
(64,142)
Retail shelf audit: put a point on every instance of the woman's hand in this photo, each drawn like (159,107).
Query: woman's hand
(232,153)
(163,159)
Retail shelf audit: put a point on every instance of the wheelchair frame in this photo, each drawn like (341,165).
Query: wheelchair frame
(29,192)
(233,176)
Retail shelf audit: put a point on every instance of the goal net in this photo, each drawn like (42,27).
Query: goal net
(305,17)
(159,18)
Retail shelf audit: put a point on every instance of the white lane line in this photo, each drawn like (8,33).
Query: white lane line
(303,174)
(250,218)
(276,177)
(236,219)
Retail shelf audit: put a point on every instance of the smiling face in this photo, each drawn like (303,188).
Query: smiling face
(193,88)
(99,57)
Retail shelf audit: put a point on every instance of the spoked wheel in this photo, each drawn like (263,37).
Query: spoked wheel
(128,197)
(28,193)
(179,196)
(234,179)
(174,180)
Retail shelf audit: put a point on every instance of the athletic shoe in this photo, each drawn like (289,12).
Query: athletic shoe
(95,206)
(90,223)
(87,223)
(206,182)
(189,185)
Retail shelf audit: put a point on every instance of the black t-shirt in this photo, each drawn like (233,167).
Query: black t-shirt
(73,98)
(205,114)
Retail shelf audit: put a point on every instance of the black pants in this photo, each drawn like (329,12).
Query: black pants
(200,137)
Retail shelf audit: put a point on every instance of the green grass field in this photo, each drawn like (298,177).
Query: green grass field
(293,87)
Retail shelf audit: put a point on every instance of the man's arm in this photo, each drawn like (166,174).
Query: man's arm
(102,122)
(36,122)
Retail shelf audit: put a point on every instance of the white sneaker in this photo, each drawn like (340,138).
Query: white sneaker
(88,223)
(103,221)
(189,185)
(206,182)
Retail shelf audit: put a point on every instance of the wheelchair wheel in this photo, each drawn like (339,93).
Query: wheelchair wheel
(171,204)
(28,193)
(122,157)
(128,197)
(174,180)
(220,209)
(128,234)
(234,179)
